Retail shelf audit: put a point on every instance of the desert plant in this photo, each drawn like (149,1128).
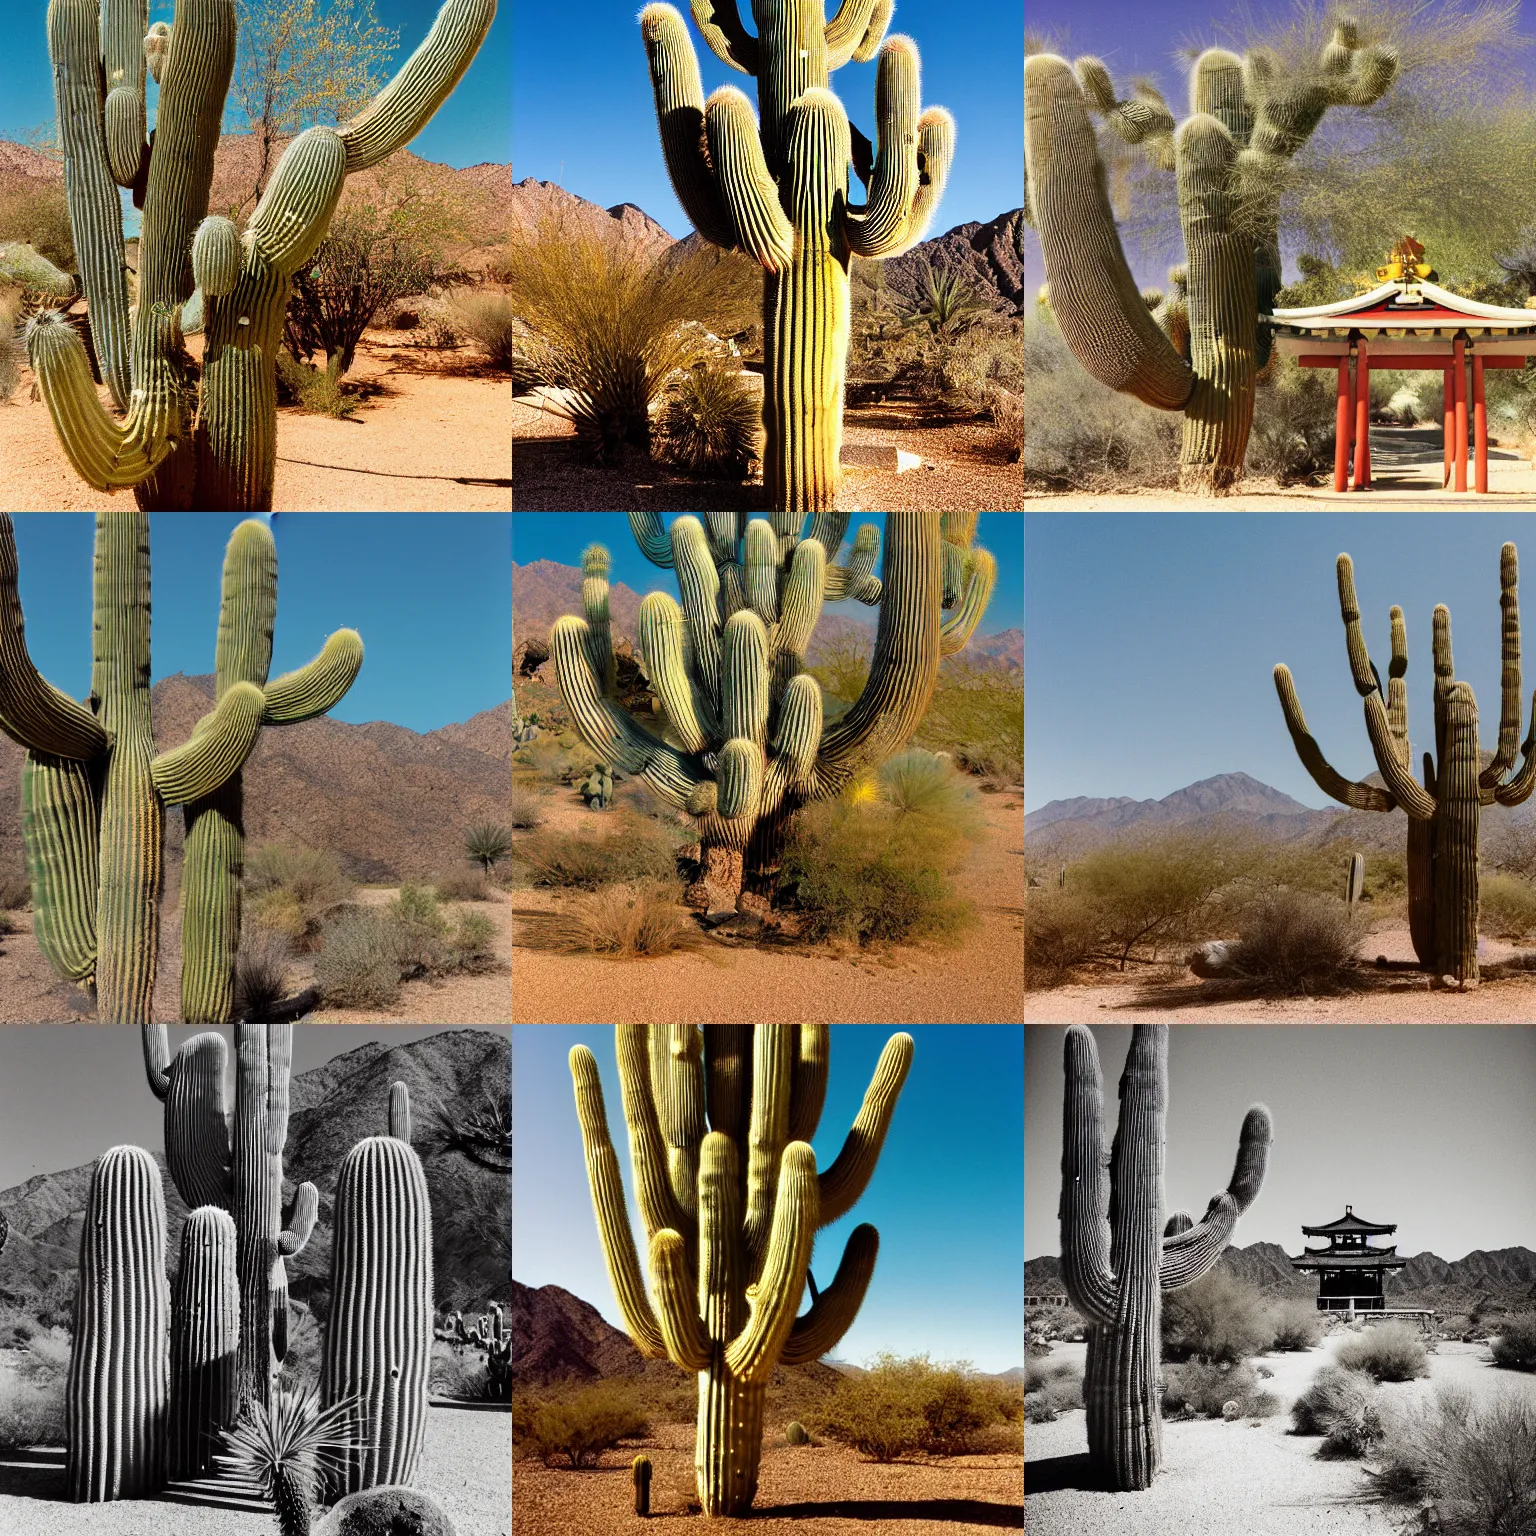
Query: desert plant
(1217,1319)
(1386,1351)
(524,809)
(578,1425)
(1506,905)
(597,791)
(1443,812)
(640,1470)
(722,674)
(920,783)
(94,789)
(317,390)
(35,213)
(489,321)
(1007,412)
(261,974)
(486,842)
(754,1233)
(205,1337)
(419,931)
(633,849)
(1063,929)
(299,877)
(709,423)
(1515,1345)
(1123,1304)
(461,885)
(626,922)
(1296,944)
(31,1413)
(1204,1389)
(358,965)
(903,1405)
(1344,1407)
(1298,1325)
(795,1433)
(472,944)
(190,441)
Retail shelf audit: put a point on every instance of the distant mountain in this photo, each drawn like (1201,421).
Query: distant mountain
(1227,794)
(989,256)
(537,203)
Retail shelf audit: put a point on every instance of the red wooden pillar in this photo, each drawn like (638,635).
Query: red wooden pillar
(1479,425)
(1343,424)
(1460,370)
(1448,406)
(1362,416)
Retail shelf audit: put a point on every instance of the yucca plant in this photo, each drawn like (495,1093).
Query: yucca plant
(286,1450)
(710,423)
(482,1135)
(945,305)
(487,841)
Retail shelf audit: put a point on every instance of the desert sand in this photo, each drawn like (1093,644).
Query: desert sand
(819,1490)
(980,980)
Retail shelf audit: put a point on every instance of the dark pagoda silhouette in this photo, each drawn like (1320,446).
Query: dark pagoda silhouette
(1350,1271)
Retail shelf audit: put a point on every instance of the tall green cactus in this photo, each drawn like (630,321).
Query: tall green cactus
(1118,1255)
(205,1337)
(94,789)
(195,440)
(1248,117)
(731,1214)
(378,1345)
(743,745)
(1443,811)
(118,1361)
(778,190)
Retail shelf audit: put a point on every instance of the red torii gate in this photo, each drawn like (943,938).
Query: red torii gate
(1408,322)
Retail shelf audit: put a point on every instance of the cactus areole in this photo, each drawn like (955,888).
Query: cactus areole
(739,742)
(1118,1255)
(181,435)
(730,1214)
(775,184)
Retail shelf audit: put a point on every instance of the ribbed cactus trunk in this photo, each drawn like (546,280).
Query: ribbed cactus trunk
(256,1204)
(1456,825)
(205,1335)
(119,1363)
(728,1440)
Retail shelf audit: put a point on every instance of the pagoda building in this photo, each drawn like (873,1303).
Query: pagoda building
(1350,1271)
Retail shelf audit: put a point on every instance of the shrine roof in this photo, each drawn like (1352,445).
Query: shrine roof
(1345,1260)
(1349,1222)
(1400,305)
(1386,1252)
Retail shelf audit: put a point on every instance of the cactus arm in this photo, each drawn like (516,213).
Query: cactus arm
(679,93)
(856,578)
(727,1076)
(856,31)
(296,1231)
(1397,689)
(767,1132)
(123,25)
(608,1205)
(660,1207)
(719,23)
(741,780)
(699,583)
(846,1180)
(749,192)
(935,155)
(61,825)
(811,1059)
(219,746)
(197,1145)
(402,109)
(1509,690)
(677,1085)
(1085,1246)
(594,603)
(800,612)
(744,678)
(1093,295)
(317,687)
(654,541)
(1146,122)
(677,1311)
(894,185)
(833,1311)
(400,1112)
(980,578)
(157,1059)
(775,1297)
(291,219)
(1406,789)
(798,740)
(761,565)
(1194,1249)
(662,631)
(721,1284)
(1516,791)
(1362,797)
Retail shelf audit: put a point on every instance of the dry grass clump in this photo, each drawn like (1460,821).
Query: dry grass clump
(624,921)
(1386,1351)
(1506,906)
(462,885)
(524,810)
(630,848)
(291,888)
(1051,1387)
(488,319)
(1298,1325)
(1297,944)
(709,423)
(15,892)
(1344,1407)
(1206,1389)
(32,1388)
(577,1426)
(261,973)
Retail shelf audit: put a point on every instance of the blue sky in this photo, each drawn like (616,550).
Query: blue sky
(1153,636)
(946,1196)
(1449,1192)
(583,114)
(471,126)
(428,593)
(561,536)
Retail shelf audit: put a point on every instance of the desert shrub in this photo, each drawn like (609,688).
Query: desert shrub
(308,882)
(1506,906)
(461,1376)
(461,885)
(632,849)
(709,423)
(578,1426)
(977,716)
(31,1412)
(1343,1406)
(922,784)
(1219,1318)
(1297,1325)
(358,964)
(316,390)
(1204,1388)
(420,932)
(524,810)
(261,973)
(1296,944)
(1387,1351)
(472,945)
(1050,1323)
(903,1405)
(486,842)
(487,319)
(624,921)
(36,213)
(1062,930)
(1515,1346)
(1456,1326)
(1007,411)
(300,1370)
(15,892)
(1293,421)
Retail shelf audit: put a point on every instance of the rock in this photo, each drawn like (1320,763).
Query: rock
(1212,961)
(879,456)
(388,1511)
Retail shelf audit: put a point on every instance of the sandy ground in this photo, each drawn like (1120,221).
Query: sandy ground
(1397,998)
(1219,1479)
(30,993)
(434,439)
(959,473)
(464,1465)
(980,980)
(822,1490)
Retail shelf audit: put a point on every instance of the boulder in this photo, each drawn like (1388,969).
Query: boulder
(388,1511)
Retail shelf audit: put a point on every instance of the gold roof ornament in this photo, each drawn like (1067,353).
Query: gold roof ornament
(1406,264)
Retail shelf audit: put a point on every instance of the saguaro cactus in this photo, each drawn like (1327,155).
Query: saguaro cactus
(118,1360)
(205,1337)
(731,1214)
(778,189)
(191,440)
(94,788)
(640,1469)
(1443,811)
(1199,354)
(744,745)
(378,1346)
(1118,1255)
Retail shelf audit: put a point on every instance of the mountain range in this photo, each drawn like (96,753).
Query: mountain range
(389,802)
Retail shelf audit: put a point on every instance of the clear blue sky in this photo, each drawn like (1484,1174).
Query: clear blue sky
(1362,1142)
(1153,636)
(583,114)
(471,126)
(561,537)
(946,1197)
(428,592)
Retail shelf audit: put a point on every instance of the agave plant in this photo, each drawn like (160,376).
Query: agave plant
(287,1448)
(483,1135)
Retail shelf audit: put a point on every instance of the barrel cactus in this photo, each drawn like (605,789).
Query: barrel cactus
(731,1213)
(795,1433)
(189,437)
(740,743)
(1200,351)
(95,789)
(1118,1255)
(778,189)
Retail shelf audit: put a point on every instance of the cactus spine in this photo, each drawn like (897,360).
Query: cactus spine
(94,788)
(187,441)
(1201,352)
(379,1343)
(640,1469)
(745,745)
(1117,1253)
(731,1213)
(205,1336)
(1443,811)
(118,1362)
(778,189)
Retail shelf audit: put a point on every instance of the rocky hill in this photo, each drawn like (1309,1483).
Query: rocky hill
(390,803)
(989,256)
(330,1109)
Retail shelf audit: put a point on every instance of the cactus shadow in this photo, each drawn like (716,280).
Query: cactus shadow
(37,1473)
(1008,1517)
(1051,1474)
